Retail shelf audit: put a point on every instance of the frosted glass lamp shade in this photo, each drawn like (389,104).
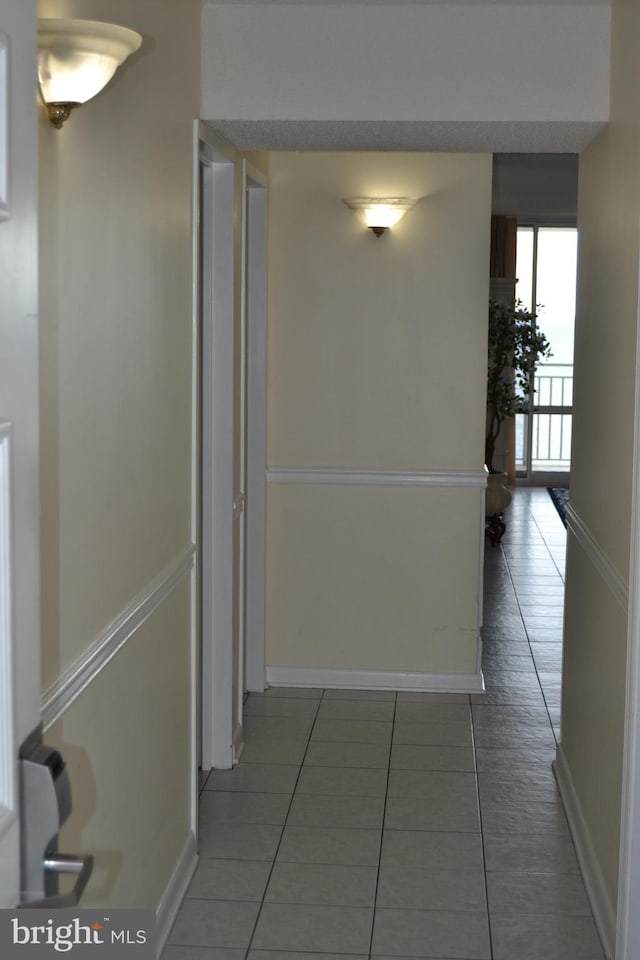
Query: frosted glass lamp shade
(77,58)
(379,213)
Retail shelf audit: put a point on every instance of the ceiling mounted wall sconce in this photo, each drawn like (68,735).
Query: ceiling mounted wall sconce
(379,213)
(76,60)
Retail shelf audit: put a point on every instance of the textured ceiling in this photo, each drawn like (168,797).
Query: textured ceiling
(469,137)
(472,3)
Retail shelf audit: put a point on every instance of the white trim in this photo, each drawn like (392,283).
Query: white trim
(240,505)
(5,146)
(346,476)
(598,557)
(252,173)
(238,742)
(195,601)
(256,301)
(213,146)
(603,912)
(482,539)
(374,680)
(482,547)
(218,329)
(479,661)
(173,895)
(7,679)
(194,718)
(9,825)
(628,920)
(59,695)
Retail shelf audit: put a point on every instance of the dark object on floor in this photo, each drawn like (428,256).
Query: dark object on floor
(560,497)
(495,527)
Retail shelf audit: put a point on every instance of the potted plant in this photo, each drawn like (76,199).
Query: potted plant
(515,347)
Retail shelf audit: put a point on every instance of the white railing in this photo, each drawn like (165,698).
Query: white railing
(555,389)
(549,446)
(551,441)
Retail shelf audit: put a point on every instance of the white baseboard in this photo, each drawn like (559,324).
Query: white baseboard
(479,659)
(603,912)
(174,892)
(374,680)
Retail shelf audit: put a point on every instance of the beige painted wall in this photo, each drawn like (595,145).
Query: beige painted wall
(376,360)
(593,705)
(606,331)
(126,743)
(116,404)
(377,347)
(373,578)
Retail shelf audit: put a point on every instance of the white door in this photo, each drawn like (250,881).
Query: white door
(216,545)
(19,545)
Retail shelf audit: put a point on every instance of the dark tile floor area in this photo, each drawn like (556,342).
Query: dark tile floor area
(405,825)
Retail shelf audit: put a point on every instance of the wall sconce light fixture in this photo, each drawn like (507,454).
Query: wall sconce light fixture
(379,213)
(76,59)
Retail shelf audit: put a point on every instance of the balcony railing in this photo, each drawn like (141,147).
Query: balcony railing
(543,440)
(553,389)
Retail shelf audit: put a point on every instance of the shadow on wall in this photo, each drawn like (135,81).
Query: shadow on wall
(107,863)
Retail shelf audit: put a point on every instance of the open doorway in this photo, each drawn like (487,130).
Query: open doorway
(538,195)
(546,271)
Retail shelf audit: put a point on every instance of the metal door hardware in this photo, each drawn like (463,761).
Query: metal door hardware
(45,799)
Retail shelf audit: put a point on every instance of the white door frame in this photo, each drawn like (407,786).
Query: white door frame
(215,375)
(254,286)
(628,914)
(9,813)
(20,687)
(217,505)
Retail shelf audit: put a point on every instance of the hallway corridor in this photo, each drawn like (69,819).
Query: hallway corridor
(380,825)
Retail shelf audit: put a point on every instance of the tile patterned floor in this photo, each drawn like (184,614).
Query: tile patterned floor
(382,825)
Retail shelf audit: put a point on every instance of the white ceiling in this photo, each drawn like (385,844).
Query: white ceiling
(481,137)
(475,76)
(470,3)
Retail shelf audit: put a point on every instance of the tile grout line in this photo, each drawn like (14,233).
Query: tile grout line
(526,630)
(520,614)
(324,699)
(484,859)
(384,815)
(561,574)
(284,825)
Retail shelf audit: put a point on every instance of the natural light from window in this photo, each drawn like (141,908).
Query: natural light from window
(546,271)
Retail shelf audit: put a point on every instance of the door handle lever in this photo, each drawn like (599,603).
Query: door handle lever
(56,863)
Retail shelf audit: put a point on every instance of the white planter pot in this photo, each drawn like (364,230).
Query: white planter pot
(498,496)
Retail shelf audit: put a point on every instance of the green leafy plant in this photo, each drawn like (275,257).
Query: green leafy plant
(516,346)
